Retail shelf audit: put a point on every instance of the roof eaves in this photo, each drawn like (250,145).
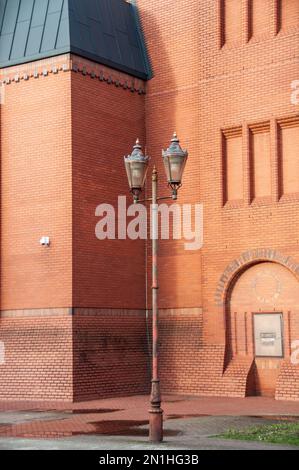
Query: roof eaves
(109,63)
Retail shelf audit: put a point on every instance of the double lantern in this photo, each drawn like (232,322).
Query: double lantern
(174,158)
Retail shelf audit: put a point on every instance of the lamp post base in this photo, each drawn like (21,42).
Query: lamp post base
(156,414)
(156,425)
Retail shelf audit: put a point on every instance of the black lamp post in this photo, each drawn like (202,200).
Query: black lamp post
(175,159)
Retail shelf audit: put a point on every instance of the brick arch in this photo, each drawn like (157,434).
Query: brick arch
(245,261)
(252,376)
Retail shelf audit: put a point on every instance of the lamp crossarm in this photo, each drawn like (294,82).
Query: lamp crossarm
(165,198)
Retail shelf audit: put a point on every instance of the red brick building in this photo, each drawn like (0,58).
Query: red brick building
(76,92)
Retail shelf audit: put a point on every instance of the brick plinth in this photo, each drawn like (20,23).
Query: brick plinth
(38,355)
(111,355)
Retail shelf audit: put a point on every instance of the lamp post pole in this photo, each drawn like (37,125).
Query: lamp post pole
(156,413)
(136,165)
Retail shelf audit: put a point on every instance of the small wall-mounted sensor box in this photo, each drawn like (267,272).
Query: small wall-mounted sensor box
(45,241)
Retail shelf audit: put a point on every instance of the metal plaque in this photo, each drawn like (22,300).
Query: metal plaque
(268,335)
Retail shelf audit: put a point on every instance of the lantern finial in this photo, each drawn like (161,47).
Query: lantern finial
(137,145)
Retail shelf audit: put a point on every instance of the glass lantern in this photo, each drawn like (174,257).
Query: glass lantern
(136,167)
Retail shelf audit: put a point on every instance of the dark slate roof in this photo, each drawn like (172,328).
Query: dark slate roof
(106,31)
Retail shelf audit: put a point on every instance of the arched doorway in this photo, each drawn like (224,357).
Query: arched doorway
(261,319)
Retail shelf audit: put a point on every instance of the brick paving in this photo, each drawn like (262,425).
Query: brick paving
(128,416)
(172,404)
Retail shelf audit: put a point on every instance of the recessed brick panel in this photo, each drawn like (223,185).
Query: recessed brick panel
(261,162)
(289,142)
(232,11)
(260,12)
(233,166)
(289,14)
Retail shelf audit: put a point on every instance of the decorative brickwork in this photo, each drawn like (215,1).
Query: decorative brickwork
(246,260)
(67,62)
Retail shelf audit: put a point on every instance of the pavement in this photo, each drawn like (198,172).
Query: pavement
(190,423)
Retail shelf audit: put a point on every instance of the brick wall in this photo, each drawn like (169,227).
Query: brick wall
(36,201)
(205,85)
(106,120)
(65,126)
(36,188)
(110,345)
